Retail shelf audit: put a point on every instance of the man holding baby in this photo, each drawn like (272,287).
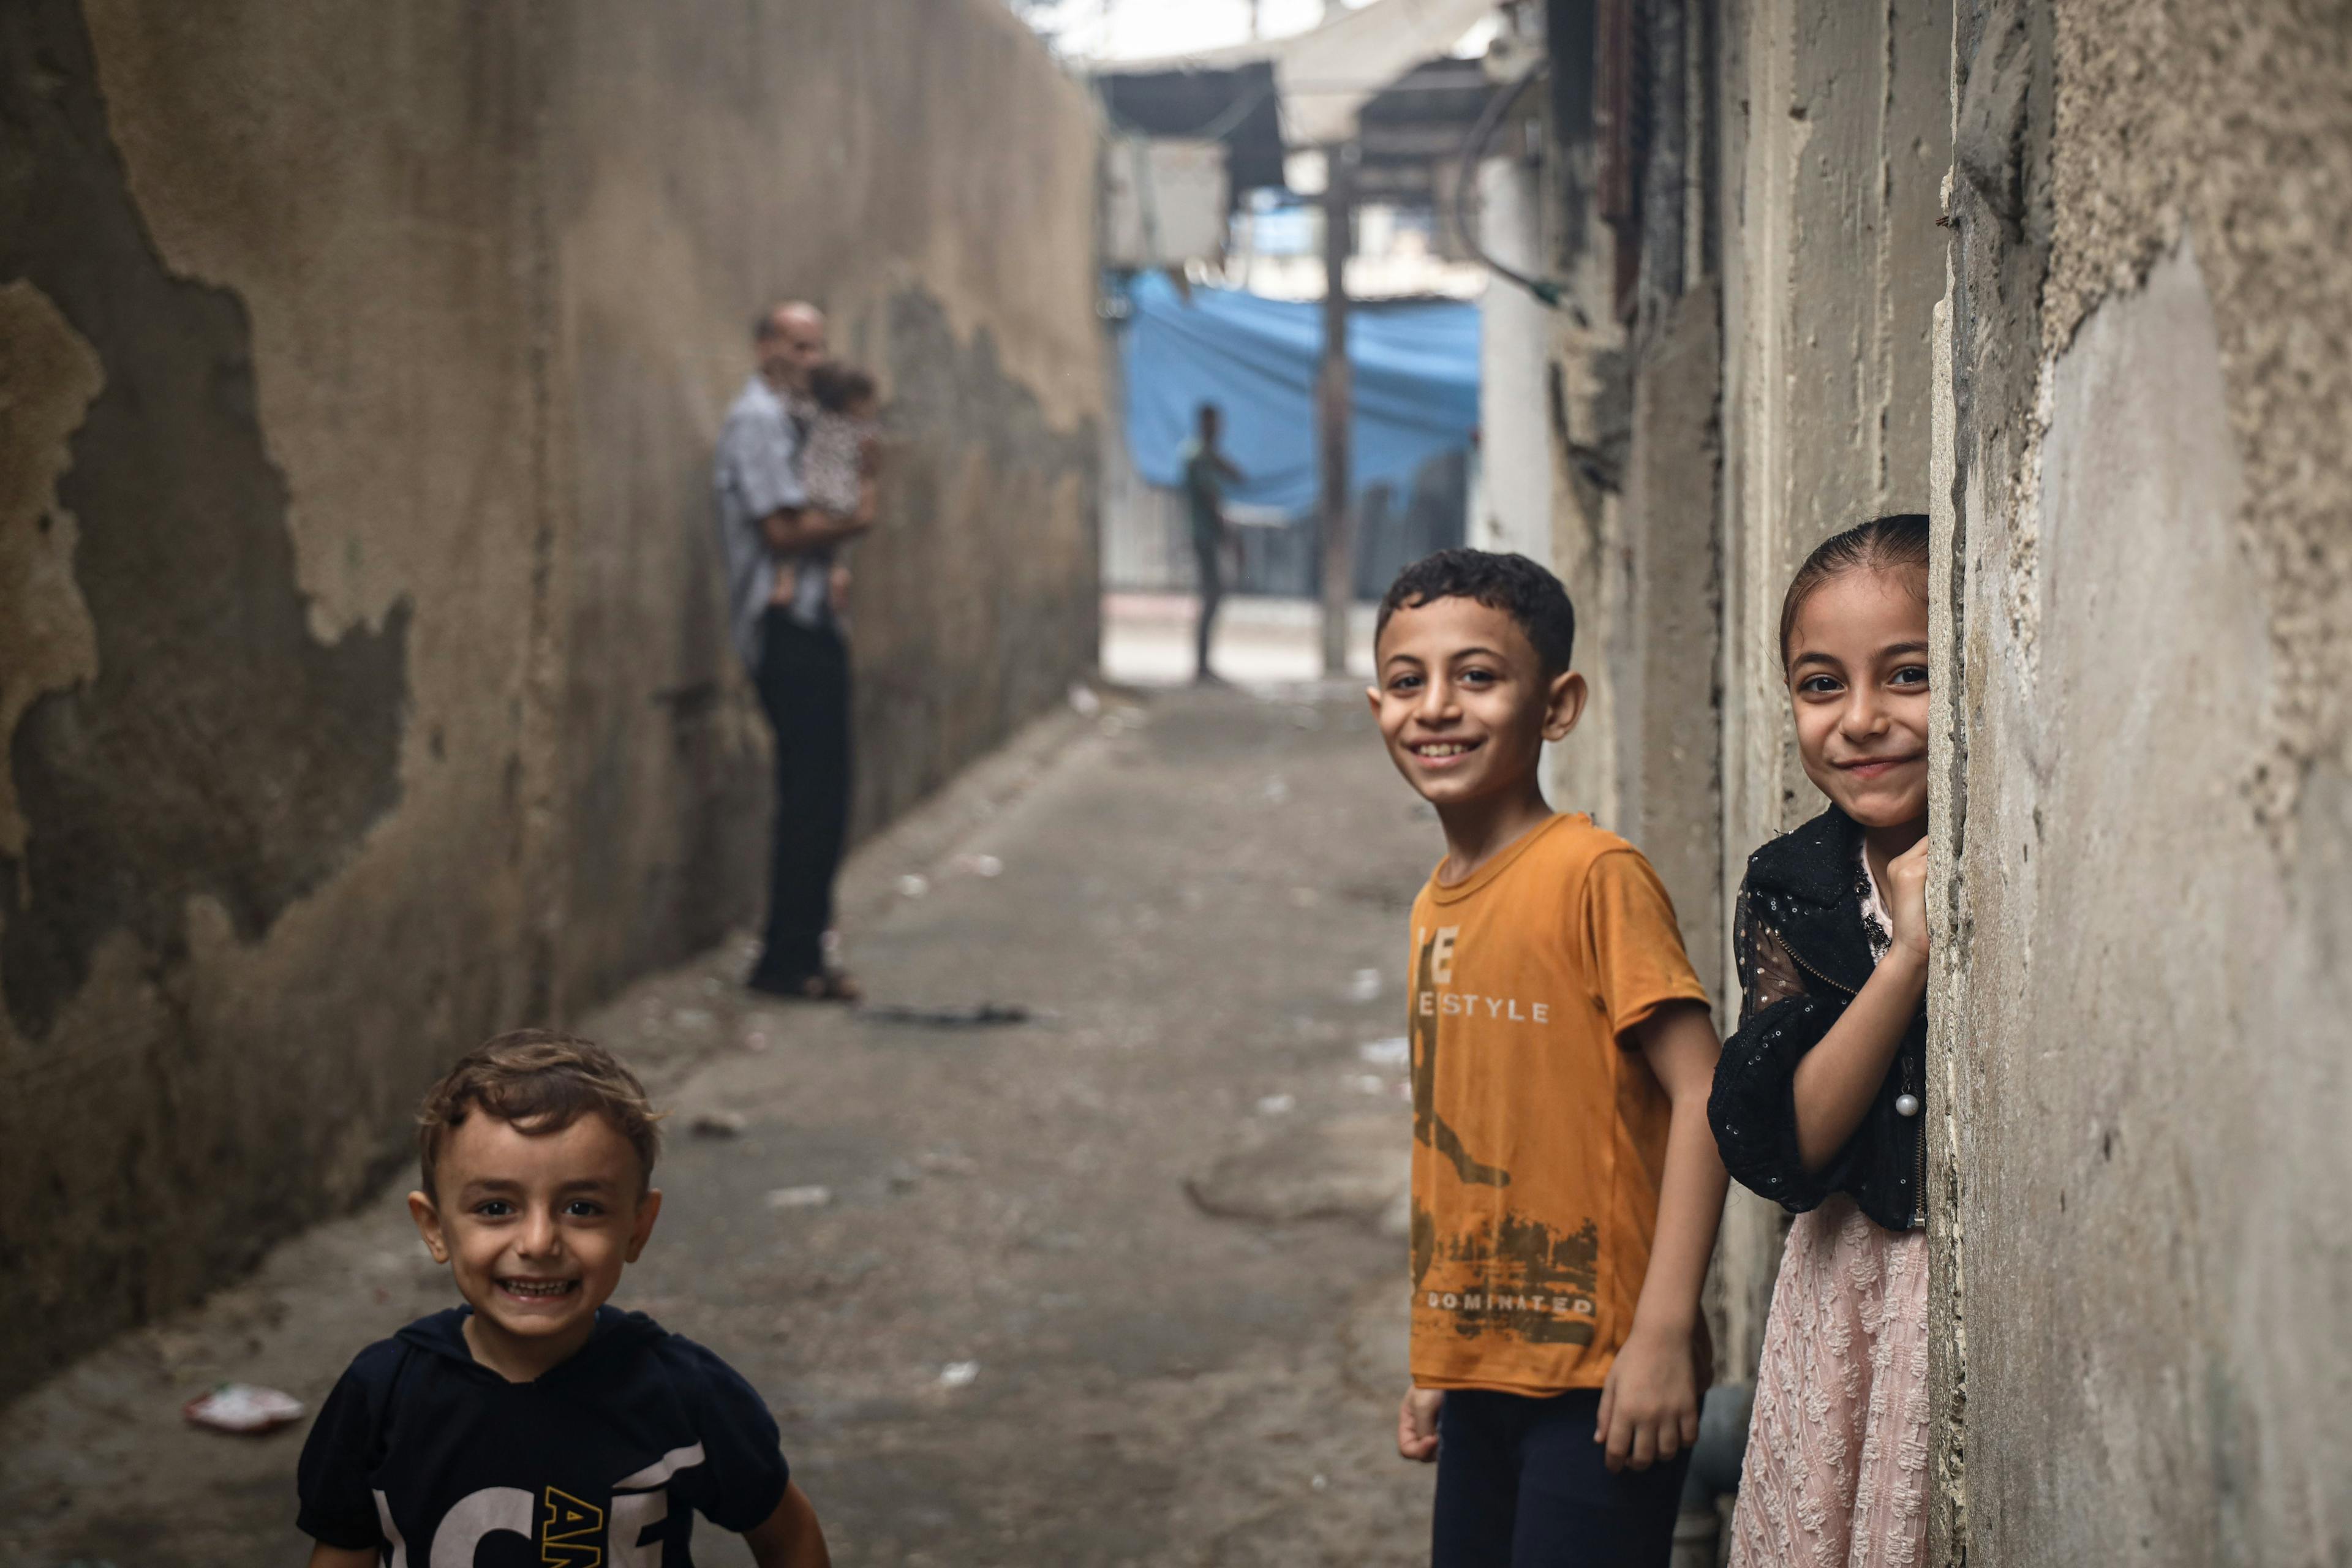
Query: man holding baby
(780,540)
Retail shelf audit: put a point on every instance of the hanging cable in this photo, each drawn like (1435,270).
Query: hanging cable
(1546,291)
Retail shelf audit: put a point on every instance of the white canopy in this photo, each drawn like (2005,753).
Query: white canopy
(1325,73)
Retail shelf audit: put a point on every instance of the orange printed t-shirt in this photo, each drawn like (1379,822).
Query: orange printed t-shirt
(1539,1140)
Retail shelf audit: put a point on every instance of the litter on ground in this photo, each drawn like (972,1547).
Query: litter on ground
(243,1408)
(981,1016)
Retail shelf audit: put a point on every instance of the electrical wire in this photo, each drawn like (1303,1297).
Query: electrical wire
(1547,292)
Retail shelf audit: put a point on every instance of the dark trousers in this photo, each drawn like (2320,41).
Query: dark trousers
(805,689)
(1521,1483)
(1212,592)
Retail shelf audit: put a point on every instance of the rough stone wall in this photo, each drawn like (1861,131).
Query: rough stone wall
(362,675)
(1831,143)
(1832,183)
(1668,785)
(2143,628)
(1772,388)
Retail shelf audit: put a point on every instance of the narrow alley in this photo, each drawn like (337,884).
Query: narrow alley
(1119,1284)
(498,500)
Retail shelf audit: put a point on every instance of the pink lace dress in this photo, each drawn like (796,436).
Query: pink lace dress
(1836,1474)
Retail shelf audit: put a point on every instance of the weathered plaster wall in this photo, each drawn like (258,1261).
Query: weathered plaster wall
(1514,501)
(1772,388)
(1833,272)
(927,178)
(2142,625)
(361,671)
(1830,139)
(1667,656)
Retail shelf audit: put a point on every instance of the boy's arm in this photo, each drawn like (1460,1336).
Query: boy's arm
(325,1556)
(1417,1424)
(789,1538)
(1649,1407)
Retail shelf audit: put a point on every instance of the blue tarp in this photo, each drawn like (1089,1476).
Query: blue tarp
(1416,386)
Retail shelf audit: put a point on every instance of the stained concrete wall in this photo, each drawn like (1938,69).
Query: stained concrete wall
(2071,279)
(1512,508)
(361,665)
(1832,143)
(1771,388)
(2146,845)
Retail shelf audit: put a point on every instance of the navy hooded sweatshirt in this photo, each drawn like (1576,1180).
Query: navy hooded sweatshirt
(427,1456)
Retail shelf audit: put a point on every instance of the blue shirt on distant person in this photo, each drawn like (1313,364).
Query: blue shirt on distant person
(758,473)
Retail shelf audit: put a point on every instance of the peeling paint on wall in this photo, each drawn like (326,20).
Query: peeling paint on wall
(969,444)
(48,374)
(401,711)
(220,749)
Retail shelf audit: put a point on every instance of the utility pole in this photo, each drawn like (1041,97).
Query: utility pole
(1335,399)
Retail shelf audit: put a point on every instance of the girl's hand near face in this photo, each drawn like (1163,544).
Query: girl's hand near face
(1906,898)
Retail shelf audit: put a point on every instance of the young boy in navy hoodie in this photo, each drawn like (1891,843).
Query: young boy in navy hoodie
(535,1423)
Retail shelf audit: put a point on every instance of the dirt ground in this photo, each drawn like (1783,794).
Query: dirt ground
(1122,1284)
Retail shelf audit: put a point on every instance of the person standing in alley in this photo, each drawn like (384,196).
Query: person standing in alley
(1207,472)
(1564,1190)
(778,553)
(1817,1103)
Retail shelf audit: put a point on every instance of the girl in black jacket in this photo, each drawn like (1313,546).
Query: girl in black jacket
(1816,1104)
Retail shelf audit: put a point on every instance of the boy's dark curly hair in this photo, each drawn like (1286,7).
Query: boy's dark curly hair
(1528,594)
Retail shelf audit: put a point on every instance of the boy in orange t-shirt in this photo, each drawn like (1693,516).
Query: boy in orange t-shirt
(1566,1187)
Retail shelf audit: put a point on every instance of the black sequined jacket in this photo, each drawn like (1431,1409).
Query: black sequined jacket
(1802,953)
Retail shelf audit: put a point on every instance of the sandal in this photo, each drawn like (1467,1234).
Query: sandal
(832,986)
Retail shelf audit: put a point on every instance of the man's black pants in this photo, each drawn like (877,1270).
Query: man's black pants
(1521,1483)
(804,688)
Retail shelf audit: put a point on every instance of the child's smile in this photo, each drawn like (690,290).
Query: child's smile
(1443,754)
(537,1227)
(537,1293)
(1858,682)
(1462,701)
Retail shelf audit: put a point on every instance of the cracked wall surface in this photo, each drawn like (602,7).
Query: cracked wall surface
(362,676)
(1830,141)
(1772,387)
(2142,628)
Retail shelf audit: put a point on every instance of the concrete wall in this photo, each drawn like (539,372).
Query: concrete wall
(2071,279)
(1511,507)
(1831,142)
(360,664)
(2148,846)
(1771,387)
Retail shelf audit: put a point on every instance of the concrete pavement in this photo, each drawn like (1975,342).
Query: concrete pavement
(1119,1285)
